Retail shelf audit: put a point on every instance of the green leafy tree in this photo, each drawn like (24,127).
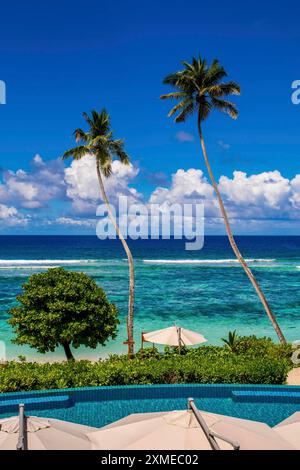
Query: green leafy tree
(98,142)
(64,308)
(200,90)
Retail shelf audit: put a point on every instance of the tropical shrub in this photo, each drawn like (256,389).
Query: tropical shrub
(232,341)
(255,347)
(203,365)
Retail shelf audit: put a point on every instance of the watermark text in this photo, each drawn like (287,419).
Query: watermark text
(2,92)
(296,93)
(154,221)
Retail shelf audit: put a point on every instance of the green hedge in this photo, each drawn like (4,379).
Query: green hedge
(203,365)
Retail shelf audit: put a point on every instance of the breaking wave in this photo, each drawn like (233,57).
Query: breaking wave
(27,263)
(207,261)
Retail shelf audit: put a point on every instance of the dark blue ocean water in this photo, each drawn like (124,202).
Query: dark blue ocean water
(203,290)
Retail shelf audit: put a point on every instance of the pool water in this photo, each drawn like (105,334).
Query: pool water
(102,405)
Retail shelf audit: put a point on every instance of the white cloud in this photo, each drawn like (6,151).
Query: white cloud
(268,189)
(184,136)
(251,201)
(6,211)
(83,187)
(33,189)
(76,222)
(262,197)
(223,145)
(187,187)
(265,195)
(295,187)
(10,217)
(257,201)
(37,159)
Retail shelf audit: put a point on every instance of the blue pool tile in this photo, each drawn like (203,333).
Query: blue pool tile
(267,396)
(98,406)
(37,403)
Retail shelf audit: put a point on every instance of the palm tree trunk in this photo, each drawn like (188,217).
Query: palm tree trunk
(234,245)
(130,316)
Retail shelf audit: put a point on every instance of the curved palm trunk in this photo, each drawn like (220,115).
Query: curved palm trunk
(130,316)
(234,245)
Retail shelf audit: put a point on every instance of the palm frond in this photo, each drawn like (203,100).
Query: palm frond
(225,106)
(88,119)
(95,115)
(215,73)
(174,95)
(80,135)
(223,89)
(106,170)
(99,142)
(77,152)
(179,106)
(105,161)
(188,66)
(187,111)
(171,79)
(104,121)
(200,88)
(117,148)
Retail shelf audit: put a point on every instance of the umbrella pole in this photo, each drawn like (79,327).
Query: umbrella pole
(22,441)
(211,436)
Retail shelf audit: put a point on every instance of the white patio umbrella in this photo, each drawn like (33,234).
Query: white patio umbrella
(186,430)
(289,429)
(174,336)
(32,433)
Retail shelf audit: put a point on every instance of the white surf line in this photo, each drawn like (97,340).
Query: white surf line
(30,266)
(42,262)
(205,261)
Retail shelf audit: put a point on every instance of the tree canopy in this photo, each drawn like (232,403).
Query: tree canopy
(60,307)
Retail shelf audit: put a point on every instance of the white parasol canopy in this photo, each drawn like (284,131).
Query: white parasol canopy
(289,429)
(44,434)
(174,336)
(181,430)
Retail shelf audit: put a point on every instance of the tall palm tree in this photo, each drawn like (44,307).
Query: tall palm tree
(200,90)
(98,142)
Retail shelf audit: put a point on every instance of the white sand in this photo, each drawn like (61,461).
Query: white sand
(293,377)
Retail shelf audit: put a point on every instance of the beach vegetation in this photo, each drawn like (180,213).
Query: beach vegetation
(257,361)
(263,347)
(63,308)
(232,341)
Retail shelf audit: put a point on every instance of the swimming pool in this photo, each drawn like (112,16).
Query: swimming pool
(99,406)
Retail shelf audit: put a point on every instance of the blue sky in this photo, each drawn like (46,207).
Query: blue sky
(60,58)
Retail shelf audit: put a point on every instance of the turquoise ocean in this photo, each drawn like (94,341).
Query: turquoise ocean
(203,290)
